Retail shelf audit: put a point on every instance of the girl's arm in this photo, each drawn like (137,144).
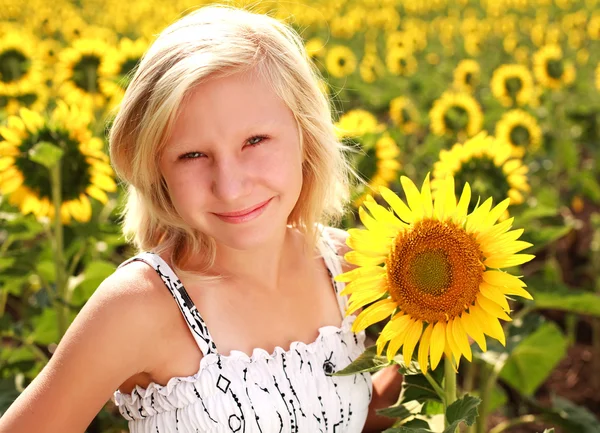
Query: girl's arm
(386,389)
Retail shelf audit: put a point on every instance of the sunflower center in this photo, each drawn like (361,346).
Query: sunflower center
(434,270)
(431,272)
(520,135)
(341,62)
(513,85)
(85,73)
(74,167)
(469,79)
(13,65)
(485,178)
(555,68)
(456,118)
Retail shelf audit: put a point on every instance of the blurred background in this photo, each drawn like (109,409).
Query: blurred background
(410,81)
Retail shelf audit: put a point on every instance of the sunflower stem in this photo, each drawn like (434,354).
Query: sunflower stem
(58,238)
(449,386)
(437,388)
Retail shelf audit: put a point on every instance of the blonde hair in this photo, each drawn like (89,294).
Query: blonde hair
(214,41)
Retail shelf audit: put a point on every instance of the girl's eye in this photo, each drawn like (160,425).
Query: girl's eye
(191,155)
(256,140)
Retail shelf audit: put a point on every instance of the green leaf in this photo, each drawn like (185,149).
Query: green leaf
(368,361)
(462,410)
(45,327)
(46,154)
(579,302)
(417,387)
(534,358)
(399,411)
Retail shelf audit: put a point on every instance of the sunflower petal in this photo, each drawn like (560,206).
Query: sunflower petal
(360,299)
(383,216)
(507,261)
(423,352)
(460,337)
(438,343)
(412,338)
(426,198)
(362,272)
(463,205)
(493,293)
(360,259)
(492,308)
(489,324)
(473,330)
(398,206)
(413,197)
(373,314)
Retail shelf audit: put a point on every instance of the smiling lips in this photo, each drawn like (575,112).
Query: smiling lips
(245,214)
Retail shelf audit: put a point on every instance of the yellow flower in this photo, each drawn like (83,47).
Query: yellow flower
(512,84)
(340,61)
(84,72)
(357,122)
(550,69)
(404,114)
(399,61)
(466,75)
(521,130)
(85,170)
(435,269)
(20,62)
(488,165)
(456,112)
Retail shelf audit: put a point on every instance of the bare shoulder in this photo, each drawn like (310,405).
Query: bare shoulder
(107,342)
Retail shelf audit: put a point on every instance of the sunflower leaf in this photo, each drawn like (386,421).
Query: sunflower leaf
(417,387)
(366,362)
(462,410)
(46,154)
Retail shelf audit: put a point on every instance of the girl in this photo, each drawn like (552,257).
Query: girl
(229,320)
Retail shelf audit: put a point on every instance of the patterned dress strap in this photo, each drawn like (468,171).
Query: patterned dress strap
(187,307)
(334,266)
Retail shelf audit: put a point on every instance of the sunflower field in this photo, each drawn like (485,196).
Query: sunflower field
(495,104)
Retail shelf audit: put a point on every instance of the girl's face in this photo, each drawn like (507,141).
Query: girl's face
(233,164)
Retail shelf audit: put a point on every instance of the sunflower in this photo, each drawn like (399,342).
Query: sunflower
(488,165)
(400,39)
(399,61)
(340,61)
(512,84)
(440,281)
(378,164)
(456,112)
(404,114)
(85,170)
(550,69)
(20,62)
(521,130)
(466,75)
(84,72)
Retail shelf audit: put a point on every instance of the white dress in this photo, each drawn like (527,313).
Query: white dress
(284,391)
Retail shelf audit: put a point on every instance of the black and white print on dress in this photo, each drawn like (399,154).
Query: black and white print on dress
(289,391)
